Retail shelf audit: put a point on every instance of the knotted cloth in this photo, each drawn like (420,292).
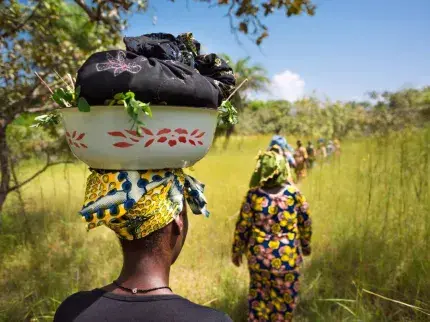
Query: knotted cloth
(160,69)
(136,203)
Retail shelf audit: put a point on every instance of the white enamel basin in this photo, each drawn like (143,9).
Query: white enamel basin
(175,137)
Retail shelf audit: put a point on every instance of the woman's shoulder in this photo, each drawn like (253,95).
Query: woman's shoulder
(291,189)
(73,305)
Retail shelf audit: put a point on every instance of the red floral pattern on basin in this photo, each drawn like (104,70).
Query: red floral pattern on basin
(168,136)
(75,139)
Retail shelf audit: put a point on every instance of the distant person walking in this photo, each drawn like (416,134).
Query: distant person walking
(330,148)
(274,232)
(278,139)
(301,157)
(276,148)
(337,146)
(321,151)
(288,150)
(311,154)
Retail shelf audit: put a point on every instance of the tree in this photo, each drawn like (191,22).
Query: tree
(266,117)
(249,14)
(55,36)
(45,37)
(256,80)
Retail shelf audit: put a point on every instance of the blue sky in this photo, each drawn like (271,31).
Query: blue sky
(348,48)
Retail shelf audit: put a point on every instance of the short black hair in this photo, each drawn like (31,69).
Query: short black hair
(147,244)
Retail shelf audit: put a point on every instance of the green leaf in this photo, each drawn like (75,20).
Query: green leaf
(129,95)
(57,99)
(83,105)
(68,97)
(227,113)
(145,108)
(135,105)
(119,96)
(129,110)
(77,92)
(46,120)
(61,92)
(132,107)
(148,110)
(139,131)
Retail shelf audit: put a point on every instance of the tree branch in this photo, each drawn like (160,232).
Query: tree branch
(39,172)
(17,28)
(17,107)
(39,109)
(90,13)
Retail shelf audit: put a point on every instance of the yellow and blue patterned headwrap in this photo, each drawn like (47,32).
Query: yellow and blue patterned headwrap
(136,203)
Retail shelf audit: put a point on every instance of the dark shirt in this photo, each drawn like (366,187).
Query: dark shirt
(99,305)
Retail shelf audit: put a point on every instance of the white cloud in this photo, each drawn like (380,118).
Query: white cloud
(286,85)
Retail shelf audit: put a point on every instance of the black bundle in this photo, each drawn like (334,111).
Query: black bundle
(160,69)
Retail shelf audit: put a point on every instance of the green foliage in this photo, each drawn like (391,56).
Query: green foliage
(249,14)
(248,77)
(69,97)
(83,105)
(133,108)
(46,120)
(66,98)
(311,117)
(227,114)
(255,76)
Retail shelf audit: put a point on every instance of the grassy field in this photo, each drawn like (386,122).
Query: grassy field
(371,253)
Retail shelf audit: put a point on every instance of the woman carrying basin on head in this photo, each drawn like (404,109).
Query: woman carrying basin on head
(145,207)
(273,231)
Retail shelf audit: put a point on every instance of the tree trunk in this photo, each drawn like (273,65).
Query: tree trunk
(4,167)
(228,134)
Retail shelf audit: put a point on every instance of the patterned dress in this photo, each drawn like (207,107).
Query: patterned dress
(301,157)
(272,230)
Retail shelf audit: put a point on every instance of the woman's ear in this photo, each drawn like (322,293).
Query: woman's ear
(179,224)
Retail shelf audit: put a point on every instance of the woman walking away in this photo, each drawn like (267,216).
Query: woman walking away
(285,150)
(301,157)
(330,148)
(290,160)
(311,155)
(337,146)
(274,231)
(280,140)
(321,151)
(147,211)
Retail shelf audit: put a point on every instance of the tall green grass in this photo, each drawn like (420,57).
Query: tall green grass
(370,262)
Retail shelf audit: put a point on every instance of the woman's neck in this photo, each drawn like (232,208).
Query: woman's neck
(273,190)
(143,272)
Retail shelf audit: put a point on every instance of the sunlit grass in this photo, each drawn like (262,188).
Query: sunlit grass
(370,262)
